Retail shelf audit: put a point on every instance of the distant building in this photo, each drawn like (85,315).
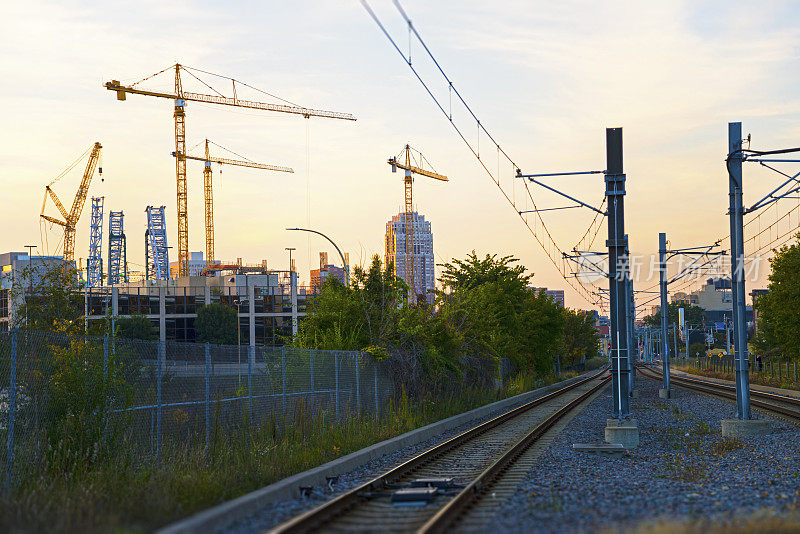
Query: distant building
(196,265)
(715,295)
(14,269)
(395,252)
(680,297)
(325,271)
(556,295)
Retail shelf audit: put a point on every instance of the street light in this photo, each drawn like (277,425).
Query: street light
(290,249)
(344,263)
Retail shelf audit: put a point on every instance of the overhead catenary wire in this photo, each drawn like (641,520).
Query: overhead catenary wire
(544,237)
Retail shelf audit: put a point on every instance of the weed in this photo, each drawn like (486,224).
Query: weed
(727,445)
(687,469)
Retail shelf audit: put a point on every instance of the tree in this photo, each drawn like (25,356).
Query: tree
(54,303)
(216,323)
(136,327)
(692,315)
(778,330)
(580,340)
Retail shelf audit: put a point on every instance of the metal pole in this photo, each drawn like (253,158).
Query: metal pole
(358,385)
(629,324)
(375,367)
(737,269)
(662,273)
(336,372)
(618,271)
(675,340)
(208,396)
(105,357)
(283,377)
(161,350)
(12,409)
(686,331)
(250,357)
(311,356)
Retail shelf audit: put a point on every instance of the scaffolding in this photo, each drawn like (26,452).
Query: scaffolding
(94,265)
(158,257)
(117,250)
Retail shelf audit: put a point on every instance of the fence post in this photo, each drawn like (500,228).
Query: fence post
(312,373)
(375,367)
(161,357)
(771,370)
(250,357)
(795,371)
(208,396)
(283,377)
(336,373)
(12,409)
(357,358)
(105,357)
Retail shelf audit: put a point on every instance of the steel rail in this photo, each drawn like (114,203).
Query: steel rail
(316,518)
(729,392)
(446,517)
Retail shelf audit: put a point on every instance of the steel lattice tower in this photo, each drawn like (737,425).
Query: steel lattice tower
(94,265)
(117,249)
(158,263)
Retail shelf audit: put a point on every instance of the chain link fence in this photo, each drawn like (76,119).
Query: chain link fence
(151,396)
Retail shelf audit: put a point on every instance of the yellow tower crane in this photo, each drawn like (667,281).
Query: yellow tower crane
(180,97)
(71,218)
(408,218)
(209,193)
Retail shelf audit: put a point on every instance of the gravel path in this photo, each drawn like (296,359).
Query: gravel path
(279,512)
(682,470)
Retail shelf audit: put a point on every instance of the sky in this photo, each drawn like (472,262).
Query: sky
(545,79)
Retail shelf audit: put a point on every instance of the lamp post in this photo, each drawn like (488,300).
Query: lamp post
(290,249)
(30,279)
(344,263)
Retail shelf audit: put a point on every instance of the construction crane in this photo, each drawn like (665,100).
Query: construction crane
(94,263)
(209,193)
(71,217)
(180,97)
(408,219)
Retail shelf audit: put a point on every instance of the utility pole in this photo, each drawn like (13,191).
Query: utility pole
(736,212)
(662,274)
(618,272)
(629,320)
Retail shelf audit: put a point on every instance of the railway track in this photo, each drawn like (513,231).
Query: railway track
(788,407)
(439,488)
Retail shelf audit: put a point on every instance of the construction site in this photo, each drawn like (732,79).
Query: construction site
(172,282)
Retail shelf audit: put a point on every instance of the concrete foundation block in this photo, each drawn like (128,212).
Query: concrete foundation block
(743,428)
(625,434)
(625,422)
(663,393)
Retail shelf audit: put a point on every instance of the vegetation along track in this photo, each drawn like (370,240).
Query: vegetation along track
(434,490)
(782,405)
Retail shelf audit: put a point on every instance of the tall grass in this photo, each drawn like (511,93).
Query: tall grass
(118,489)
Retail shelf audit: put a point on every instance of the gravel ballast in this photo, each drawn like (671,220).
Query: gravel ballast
(279,512)
(683,470)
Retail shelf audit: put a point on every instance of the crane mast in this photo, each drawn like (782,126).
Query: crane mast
(408,214)
(71,218)
(208,189)
(180,98)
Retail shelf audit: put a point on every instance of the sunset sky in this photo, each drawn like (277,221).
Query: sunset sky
(546,79)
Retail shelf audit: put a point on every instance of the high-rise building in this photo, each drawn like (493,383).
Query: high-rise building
(556,295)
(395,252)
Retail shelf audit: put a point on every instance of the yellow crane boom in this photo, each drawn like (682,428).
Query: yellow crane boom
(208,192)
(408,219)
(71,218)
(180,97)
